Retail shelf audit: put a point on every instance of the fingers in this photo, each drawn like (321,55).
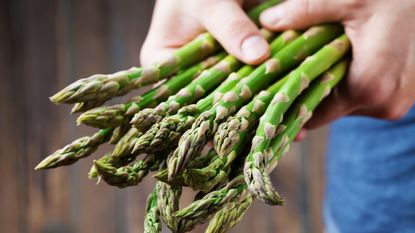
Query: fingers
(230,25)
(170,29)
(301,135)
(298,14)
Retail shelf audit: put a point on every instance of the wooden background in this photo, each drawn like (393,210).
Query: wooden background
(45,45)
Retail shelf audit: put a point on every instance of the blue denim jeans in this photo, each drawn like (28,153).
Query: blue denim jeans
(371,176)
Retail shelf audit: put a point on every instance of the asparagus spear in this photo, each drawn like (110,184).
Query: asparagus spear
(76,150)
(120,156)
(206,81)
(229,215)
(118,133)
(126,176)
(206,124)
(116,115)
(199,162)
(102,87)
(203,208)
(85,106)
(152,221)
(266,157)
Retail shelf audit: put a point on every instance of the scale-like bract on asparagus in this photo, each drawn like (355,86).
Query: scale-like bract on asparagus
(129,175)
(229,215)
(115,115)
(203,160)
(168,198)
(206,124)
(152,221)
(270,128)
(103,87)
(209,204)
(118,133)
(76,150)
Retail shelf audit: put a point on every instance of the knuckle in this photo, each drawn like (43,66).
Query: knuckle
(395,112)
(234,25)
(353,5)
(371,96)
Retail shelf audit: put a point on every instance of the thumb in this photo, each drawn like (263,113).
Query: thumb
(298,14)
(230,25)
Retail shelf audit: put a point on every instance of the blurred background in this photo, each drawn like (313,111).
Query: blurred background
(47,44)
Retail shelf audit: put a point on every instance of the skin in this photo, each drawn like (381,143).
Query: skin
(381,79)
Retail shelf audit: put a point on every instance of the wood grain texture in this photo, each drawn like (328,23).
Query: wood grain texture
(48,44)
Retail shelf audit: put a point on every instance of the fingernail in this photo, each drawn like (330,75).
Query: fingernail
(254,47)
(271,17)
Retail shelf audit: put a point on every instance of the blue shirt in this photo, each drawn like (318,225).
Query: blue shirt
(371,176)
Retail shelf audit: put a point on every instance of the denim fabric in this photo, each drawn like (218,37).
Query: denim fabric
(371,176)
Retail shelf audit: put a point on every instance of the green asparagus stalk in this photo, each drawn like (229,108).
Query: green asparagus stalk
(203,208)
(126,176)
(120,156)
(206,124)
(76,150)
(229,215)
(152,221)
(101,87)
(108,159)
(116,115)
(168,203)
(201,161)
(255,12)
(118,133)
(85,106)
(125,145)
(258,161)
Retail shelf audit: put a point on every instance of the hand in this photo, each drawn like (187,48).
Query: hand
(381,79)
(176,22)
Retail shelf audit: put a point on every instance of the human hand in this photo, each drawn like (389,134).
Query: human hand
(177,22)
(381,79)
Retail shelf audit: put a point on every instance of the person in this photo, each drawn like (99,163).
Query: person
(371,162)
